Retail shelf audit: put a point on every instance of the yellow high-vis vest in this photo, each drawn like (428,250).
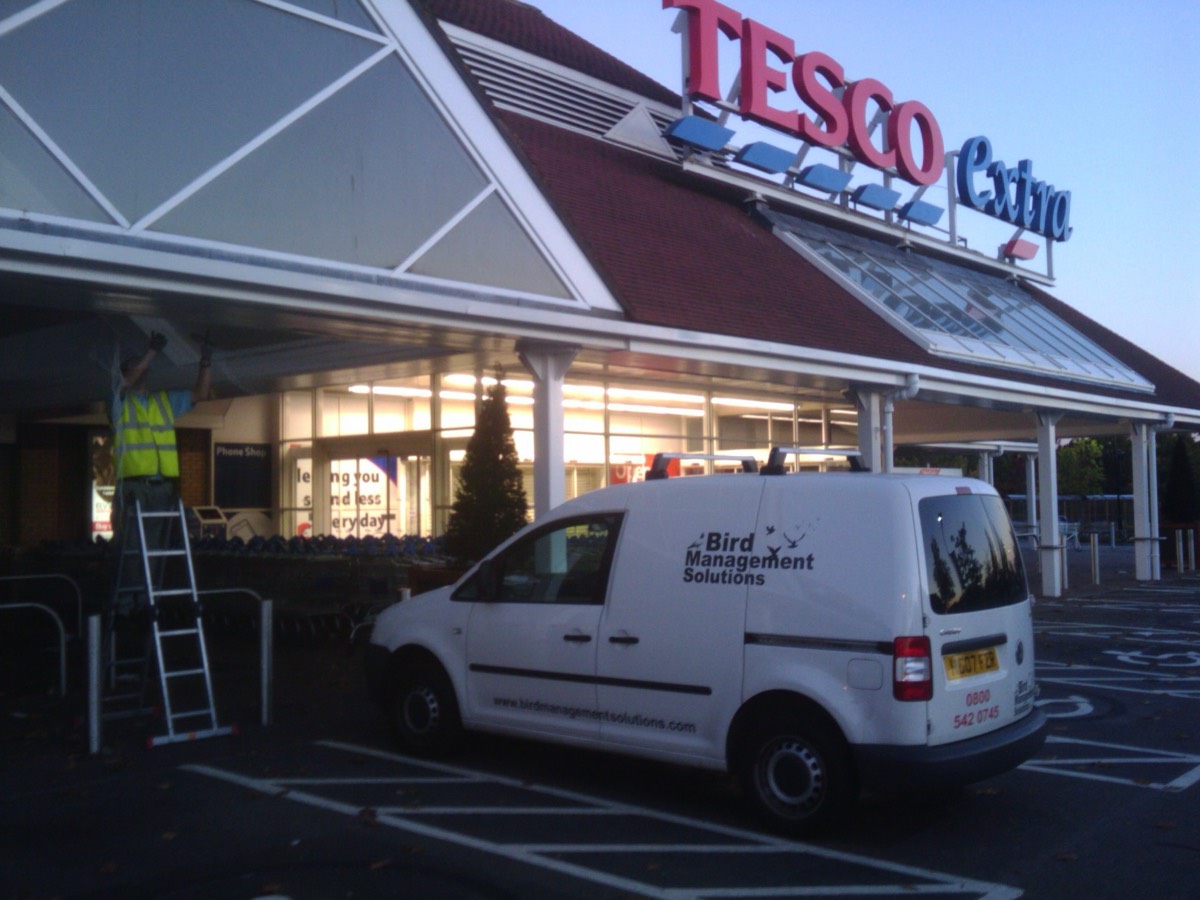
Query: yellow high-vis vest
(145,437)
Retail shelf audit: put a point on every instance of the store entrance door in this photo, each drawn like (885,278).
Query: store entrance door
(377,486)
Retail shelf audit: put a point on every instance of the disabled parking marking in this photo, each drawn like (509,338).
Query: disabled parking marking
(1117,755)
(1127,681)
(757,849)
(1188,659)
(1079,707)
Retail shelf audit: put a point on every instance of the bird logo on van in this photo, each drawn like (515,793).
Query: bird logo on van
(792,542)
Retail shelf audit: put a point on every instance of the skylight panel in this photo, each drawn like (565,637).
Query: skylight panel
(956,313)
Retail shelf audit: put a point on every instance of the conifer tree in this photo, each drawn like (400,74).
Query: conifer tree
(489,499)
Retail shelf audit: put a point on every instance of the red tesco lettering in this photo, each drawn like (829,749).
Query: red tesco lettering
(840,106)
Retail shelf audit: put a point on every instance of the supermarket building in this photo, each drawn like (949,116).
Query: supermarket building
(370,208)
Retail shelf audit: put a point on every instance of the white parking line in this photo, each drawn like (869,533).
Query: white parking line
(909,880)
(1123,756)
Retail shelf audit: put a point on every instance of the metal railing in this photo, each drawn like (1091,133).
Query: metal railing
(52,613)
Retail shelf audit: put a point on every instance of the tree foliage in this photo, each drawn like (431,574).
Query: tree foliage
(1080,470)
(489,499)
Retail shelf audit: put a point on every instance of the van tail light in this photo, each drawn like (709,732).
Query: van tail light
(912,672)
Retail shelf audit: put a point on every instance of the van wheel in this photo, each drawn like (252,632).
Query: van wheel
(424,711)
(795,774)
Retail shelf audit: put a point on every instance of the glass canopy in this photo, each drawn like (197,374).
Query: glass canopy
(955,312)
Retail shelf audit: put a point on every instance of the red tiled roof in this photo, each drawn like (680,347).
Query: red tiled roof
(637,217)
(681,253)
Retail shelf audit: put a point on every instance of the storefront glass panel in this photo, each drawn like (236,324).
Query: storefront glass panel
(297,490)
(342,413)
(297,418)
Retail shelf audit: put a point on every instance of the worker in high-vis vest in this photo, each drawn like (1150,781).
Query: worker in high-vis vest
(144,449)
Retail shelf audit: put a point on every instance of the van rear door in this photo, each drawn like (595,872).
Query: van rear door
(980,615)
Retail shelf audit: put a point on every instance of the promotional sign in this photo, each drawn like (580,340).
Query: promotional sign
(841,113)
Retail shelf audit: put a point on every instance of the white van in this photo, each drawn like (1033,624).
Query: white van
(816,634)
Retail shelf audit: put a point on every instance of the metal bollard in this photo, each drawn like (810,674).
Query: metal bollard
(1178,549)
(405,594)
(93,683)
(1191,542)
(1062,555)
(266,633)
(1095,559)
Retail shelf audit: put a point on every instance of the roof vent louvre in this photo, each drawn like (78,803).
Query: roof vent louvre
(522,83)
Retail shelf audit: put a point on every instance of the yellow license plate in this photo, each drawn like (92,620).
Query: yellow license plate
(964,665)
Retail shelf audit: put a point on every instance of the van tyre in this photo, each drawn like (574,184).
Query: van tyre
(795,775)
(424,711)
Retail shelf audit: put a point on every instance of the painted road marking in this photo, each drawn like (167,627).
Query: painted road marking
(1126,681)
(605,862)
(1117,755)
(1078,707)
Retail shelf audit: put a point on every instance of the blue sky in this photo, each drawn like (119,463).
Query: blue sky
(1102,96)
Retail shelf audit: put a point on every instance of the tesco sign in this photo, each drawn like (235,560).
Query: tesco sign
(839,118)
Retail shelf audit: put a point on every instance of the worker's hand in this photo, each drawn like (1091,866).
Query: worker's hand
(157,341)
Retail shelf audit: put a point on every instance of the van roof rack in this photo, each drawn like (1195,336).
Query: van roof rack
(658,468)
(775,461)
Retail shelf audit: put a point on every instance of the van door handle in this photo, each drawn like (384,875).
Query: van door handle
(622,639)
(577,638)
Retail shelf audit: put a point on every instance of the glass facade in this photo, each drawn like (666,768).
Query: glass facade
(390,451)
(289,134)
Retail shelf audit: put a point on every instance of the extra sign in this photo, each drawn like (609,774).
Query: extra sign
(836,116)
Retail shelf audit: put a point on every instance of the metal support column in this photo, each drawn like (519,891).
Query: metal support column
(548,364)
(1050,542)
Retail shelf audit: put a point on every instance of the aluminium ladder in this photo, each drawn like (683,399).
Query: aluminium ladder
(176,637)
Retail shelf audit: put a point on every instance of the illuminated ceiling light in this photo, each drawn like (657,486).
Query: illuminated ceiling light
(463,379)
(752,404)
(663,396)
(389,391)
(584,390)
(654,410)
(593,405)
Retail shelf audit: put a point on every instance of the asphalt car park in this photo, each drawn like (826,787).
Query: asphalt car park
(319,804)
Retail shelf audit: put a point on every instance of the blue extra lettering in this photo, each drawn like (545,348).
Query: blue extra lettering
(1016,196)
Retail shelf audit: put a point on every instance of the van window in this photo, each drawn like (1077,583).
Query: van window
(971,554)
(566,562)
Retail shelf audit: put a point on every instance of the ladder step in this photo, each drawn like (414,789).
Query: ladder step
(179,632)
(191,735)
(173,592)
(157,553)
(192,713)
(183,673)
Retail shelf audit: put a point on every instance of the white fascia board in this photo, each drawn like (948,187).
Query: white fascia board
(140,270)
(444,84)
